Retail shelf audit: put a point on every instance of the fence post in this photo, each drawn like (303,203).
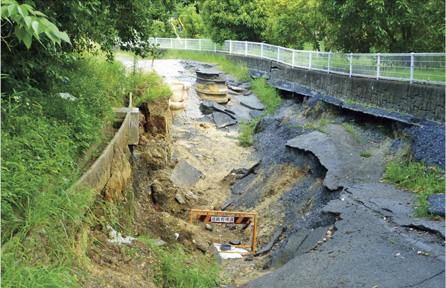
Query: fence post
(230,46)
(309,64)
(199,43)
(278,53)
(156,41)
(329,62)
(185,44)
(378,64)
(292,62)
(261,50)
(215,47)
(171,43)
(246,48)
(351,65)
(411,67)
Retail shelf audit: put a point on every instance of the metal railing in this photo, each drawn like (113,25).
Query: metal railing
(412,67)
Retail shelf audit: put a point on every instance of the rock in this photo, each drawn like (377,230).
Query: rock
(253,103)
(126,259)
(231,92)
(255,113)
(67,96)
(234,242)
(158,242)
(237,89)
(262,124)
(223,120)
(185,174)
(244,227)
(247,93)
(190,195)
(249,258)
(436,204)
(271,243)
(226,205)
(114,260)
(231,226)
(219,107)
(207,106)
(245,85)
(208,227)
(180,199)
(158,194)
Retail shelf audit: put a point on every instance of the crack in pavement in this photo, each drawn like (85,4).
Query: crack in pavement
(423,281)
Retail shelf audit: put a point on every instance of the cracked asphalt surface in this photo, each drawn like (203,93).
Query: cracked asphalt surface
(375,240)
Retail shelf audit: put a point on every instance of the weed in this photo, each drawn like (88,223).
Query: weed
(44,137)
(246,137)
(352,131)
(178,268)
(416,177)
(324,122)
(365,154)
(267,95)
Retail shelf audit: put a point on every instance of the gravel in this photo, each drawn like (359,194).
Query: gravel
(428,143)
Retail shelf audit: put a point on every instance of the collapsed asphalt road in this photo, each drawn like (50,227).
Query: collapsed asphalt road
(373,241)
(342,226)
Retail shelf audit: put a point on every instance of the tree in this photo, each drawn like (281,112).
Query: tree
(92,26)
(234,19)
(292,23)
(385,25)
(190,22)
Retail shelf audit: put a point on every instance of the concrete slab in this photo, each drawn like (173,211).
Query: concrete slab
(338,151)
(185,174)
(223,120)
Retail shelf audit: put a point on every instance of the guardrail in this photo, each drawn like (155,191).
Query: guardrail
(412,67)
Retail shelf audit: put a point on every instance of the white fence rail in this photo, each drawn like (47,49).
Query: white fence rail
(412,67)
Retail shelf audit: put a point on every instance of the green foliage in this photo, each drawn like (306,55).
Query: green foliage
(43,134)
(246,137)
(178,268)
(384,25)
(418,178)
(44,137)
(267,95)
(26,23)
(233,19)
(365,154)
(148,87)
(237,70)
(189,21)
(295,23)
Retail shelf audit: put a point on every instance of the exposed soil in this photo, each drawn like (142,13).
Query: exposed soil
(286,189)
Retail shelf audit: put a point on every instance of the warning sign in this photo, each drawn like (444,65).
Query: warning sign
(227,217)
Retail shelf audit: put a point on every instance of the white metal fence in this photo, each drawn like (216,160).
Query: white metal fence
(412,67)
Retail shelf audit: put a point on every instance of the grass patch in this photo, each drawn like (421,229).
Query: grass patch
(148,87)
(365,154)
(418,178)
(176,267)
(246,137)
(44,137)
(268,95)
(237,70)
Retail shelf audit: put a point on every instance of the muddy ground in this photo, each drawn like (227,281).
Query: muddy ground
(337,224)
